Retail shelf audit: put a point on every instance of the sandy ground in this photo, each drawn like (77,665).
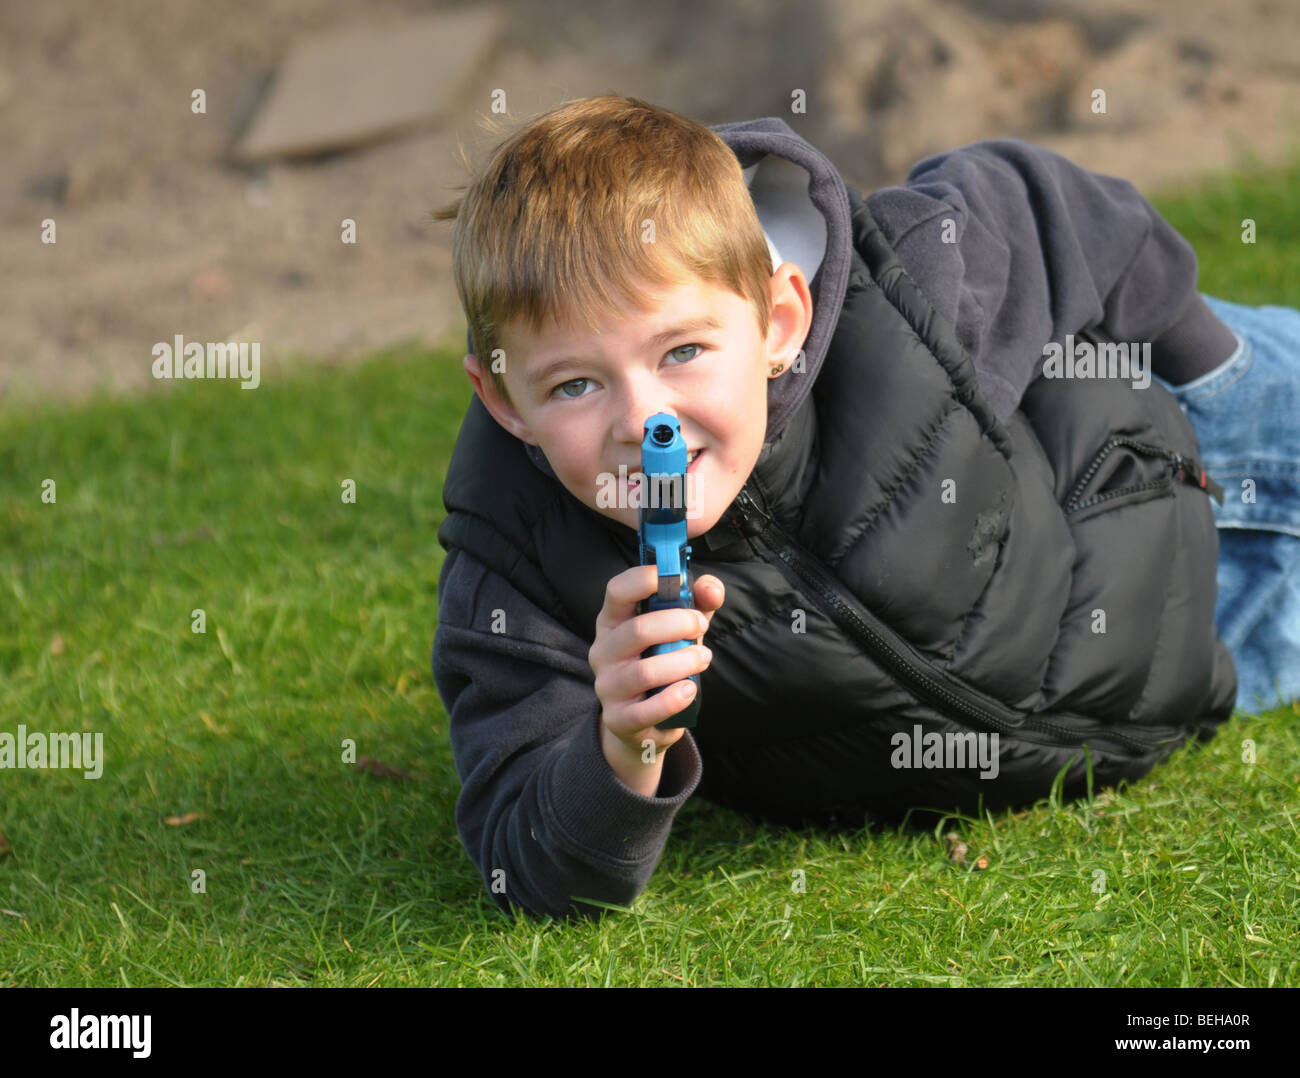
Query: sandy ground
(158,234)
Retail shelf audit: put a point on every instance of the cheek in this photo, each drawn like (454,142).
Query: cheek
(579,468)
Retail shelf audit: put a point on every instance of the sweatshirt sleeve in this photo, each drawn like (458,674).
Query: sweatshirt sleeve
(1017,246)
(541,813)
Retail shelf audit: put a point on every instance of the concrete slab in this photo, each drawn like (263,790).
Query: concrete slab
(344,88)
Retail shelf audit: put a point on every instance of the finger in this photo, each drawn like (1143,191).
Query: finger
(624,682)
(623,592)
(709,595)
(632,678)
(639,718)
(629,641)
(635,736)
(623,634)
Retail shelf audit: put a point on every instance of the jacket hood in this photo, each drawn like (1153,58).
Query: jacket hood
(804,211)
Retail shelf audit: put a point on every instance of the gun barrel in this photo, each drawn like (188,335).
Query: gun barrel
(662,537)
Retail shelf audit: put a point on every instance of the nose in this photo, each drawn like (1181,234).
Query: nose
(637,400)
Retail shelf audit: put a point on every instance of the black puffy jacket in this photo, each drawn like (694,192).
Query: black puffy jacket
(899,560)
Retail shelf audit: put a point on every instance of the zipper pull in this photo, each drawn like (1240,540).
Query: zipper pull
(751,519)
(1190,471)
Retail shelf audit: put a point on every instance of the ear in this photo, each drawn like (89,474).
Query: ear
(792,313)
(497,407)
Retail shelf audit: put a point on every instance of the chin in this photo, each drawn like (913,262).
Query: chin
(701,524)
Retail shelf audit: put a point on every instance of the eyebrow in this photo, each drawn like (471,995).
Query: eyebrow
(547,371)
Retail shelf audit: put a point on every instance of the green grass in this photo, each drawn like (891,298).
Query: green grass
(320,617)
(1210,216)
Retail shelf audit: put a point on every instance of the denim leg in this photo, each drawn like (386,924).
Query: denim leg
(1246,415)
(1258,614)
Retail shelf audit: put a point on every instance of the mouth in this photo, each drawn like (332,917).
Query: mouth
(691,458)
(633,489)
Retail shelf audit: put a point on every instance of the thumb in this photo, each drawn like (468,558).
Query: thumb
(709,595)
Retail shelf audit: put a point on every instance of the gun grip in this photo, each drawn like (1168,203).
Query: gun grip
(669,597)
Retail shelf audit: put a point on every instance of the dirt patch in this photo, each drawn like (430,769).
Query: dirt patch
(158,234)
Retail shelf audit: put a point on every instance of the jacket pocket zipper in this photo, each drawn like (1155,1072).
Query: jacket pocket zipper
(895,654)
(1180,468)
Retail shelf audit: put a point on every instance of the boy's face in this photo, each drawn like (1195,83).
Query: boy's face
(584,398)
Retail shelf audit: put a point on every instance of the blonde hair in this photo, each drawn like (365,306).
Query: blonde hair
(590,202)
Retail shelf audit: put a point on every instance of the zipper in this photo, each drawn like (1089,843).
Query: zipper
(891,651)
(1181,469)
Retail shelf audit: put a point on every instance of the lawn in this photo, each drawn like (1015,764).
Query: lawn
(229,841)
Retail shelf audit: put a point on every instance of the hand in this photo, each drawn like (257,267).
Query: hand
(628,717)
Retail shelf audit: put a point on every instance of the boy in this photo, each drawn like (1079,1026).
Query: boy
(938,559)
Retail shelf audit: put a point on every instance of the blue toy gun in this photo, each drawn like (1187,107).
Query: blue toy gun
(662,532)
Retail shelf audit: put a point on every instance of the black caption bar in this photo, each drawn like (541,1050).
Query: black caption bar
(378,1027)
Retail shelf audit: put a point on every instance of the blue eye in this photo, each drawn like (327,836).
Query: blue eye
(574,382)
(562,390)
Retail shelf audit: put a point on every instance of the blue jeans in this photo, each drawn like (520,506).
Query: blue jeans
(1246,414)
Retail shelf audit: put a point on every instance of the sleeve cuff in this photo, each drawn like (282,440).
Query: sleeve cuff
(596,811)
(1193,346)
